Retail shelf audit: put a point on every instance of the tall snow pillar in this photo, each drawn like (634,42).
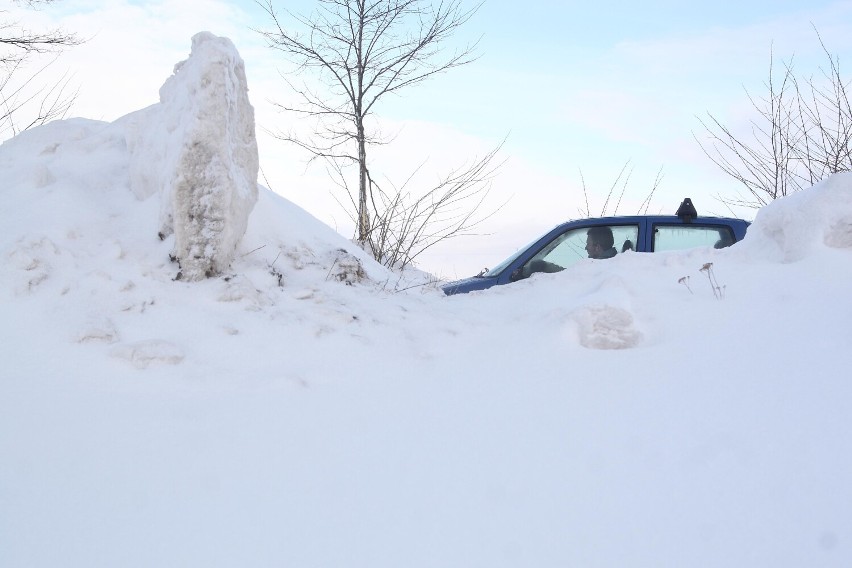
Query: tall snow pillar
(209,181)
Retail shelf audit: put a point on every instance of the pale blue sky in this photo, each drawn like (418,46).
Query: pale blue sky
(575,86)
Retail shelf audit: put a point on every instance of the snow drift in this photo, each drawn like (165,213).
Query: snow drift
(309,408)
(815,218)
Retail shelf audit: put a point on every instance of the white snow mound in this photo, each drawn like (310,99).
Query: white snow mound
(789,229)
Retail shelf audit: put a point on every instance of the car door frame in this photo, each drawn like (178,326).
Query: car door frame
(704,222)
(641,245)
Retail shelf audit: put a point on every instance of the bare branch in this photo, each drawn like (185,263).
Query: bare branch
(624,180)
(356,52)
(801,135)
(22,95)
(405,226)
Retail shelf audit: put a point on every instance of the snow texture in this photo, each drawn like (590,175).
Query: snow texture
(197,149)
(812,219)
(307,407)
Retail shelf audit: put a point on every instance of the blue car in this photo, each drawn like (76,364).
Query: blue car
(606,237)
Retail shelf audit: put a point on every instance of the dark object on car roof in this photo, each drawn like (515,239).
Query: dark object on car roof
(687,211)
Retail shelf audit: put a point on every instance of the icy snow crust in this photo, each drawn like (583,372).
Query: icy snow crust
(307,407)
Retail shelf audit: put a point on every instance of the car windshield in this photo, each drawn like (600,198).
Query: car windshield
(567,248)
(497,270)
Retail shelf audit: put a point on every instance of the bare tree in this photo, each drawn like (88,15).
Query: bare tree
(801,135)
(362,51)
(21,93)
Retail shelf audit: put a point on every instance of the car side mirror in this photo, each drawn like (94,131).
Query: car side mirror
(517,274)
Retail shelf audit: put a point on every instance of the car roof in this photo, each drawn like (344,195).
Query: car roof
(624,219)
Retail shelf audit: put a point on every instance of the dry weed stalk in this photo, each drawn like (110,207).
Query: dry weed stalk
(718,291)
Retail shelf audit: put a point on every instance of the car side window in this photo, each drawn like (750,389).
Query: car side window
(680,237)
(570,247)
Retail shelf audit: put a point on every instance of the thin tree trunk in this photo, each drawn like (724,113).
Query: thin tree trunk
(363,215)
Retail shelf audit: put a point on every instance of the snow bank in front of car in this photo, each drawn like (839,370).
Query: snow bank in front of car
(606,327)
(791,228)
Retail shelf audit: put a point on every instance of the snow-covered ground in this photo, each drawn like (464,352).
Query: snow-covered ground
(308,408)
